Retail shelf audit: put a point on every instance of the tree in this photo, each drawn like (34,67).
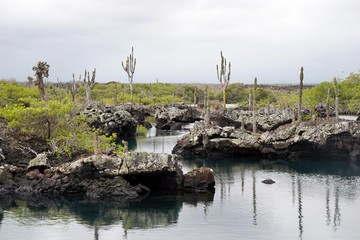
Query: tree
(129,68)
(41,71)
(15,93)
(66,131)
(40,118)
(350,93)
(300,94)
(237,93)
(223,75)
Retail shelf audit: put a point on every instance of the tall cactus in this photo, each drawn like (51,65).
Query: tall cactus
(74,87)
(41,70)
(327,108)
(337,93)
(129,68)
(254,106)
(250,101)
(300,94)
(90,83)
(206,108)
(223,75)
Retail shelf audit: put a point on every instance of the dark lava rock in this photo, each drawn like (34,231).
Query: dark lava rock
(97,177)
(111,120)
(265,120)
(166,117)
(268,181)
(339,140)
(199,180)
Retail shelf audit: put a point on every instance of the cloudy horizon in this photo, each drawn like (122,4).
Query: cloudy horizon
(180,41)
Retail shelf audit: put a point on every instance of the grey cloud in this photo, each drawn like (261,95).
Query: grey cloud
(180,41)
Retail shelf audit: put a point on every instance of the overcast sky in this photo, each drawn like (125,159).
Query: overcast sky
(180,41)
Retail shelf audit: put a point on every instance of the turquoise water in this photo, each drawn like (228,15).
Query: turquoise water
(308,201)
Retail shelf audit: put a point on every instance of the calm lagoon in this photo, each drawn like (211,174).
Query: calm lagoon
(310,200)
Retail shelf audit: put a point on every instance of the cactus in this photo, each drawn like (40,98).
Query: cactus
(74,87)
(206,108)
(129,68)
(41,71)
(250,100)
(328,104)
(223,76)
(90,83)
(195,92)
(300,94)
(337,93)
(254,106)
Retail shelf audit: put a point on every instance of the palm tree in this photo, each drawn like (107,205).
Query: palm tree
(41,71)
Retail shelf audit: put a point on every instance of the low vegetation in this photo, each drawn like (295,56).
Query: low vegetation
(51,112)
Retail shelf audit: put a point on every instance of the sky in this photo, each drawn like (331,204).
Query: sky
(181,41)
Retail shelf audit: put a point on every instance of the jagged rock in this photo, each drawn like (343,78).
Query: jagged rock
(139,112)
(166,117)
(199,180)
(147,125)
(39,162)
(223,120)
(159,171)
(111,120)
(320,109)
(169,126)
(308,139)
(264,120)
(268,181)
(97,177)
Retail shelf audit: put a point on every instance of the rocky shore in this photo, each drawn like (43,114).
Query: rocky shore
(312,139)
(131,176)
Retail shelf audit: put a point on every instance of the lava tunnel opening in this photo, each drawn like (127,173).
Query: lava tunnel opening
(156,181)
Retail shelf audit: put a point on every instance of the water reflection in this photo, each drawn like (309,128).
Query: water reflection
(153,212)
(337,209)
(229,166)
(328,214)
(254,196)
(331,180)
(1,215)
(300,208)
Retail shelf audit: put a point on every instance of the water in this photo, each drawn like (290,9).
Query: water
(308,201)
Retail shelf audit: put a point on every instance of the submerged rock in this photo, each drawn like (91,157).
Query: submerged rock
(268,181)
